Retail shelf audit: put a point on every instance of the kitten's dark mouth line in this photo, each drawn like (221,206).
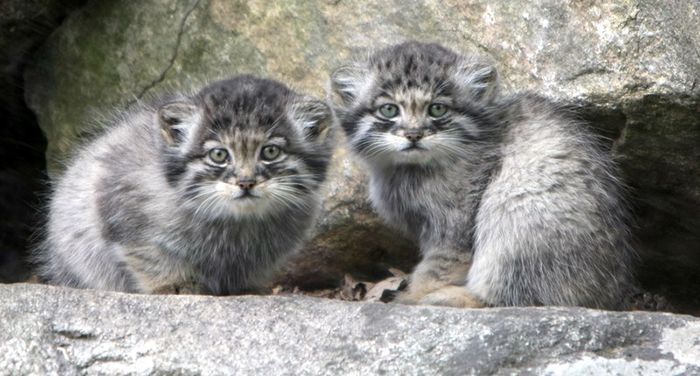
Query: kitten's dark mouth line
(246,195)
(413,147)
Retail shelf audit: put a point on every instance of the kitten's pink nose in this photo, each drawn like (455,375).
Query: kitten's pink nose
(413,135)
(246,183)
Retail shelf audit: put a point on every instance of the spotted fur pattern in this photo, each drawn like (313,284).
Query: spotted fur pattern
(512,201)
(145,207)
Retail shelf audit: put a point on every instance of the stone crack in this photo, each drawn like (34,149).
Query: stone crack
(173,57)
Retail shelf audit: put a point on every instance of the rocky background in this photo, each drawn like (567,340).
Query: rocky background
(632,68)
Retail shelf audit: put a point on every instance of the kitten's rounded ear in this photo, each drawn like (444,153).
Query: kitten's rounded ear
(478,79)
(176,120)
(313,117)
(347,83)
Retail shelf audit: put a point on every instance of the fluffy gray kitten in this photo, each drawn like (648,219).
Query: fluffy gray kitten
(204,193)
(511,200)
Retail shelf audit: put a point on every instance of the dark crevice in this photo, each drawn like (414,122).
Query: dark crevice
(653,139)
(22,144)
(606,122)
(668,238)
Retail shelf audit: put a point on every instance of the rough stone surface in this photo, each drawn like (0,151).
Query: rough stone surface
(630,67)
(48,330)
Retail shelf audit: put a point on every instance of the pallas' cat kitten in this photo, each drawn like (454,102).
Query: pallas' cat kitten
(204,193)
(512,201)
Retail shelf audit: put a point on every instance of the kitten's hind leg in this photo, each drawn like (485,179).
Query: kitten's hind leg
(439,280)
(551,252)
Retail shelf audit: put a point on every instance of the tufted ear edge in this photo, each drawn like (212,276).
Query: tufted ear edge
(347,83)
(477,78)
(176,120)
(313,117)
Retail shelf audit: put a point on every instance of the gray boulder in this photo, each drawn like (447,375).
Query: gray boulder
(48,330)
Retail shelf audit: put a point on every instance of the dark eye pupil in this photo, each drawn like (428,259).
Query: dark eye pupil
(437,110)
(270,152)
(388,110)
(218,155)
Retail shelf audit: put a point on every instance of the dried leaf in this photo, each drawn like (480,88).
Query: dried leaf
(352,289)
(392,284)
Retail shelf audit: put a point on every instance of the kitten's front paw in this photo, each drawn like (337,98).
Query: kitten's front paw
(408,298)
(452,296)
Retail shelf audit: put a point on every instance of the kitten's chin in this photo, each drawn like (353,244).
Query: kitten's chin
(248,206)
(413,156)
(234,207)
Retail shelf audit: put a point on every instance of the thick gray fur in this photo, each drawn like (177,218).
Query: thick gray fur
(144,208)
(512,201)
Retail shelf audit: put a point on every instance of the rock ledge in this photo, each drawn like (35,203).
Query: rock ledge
(49,330)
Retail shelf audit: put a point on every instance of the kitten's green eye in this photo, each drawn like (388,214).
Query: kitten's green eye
(389,110)
(218,155)
(437,109)
(270,152)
